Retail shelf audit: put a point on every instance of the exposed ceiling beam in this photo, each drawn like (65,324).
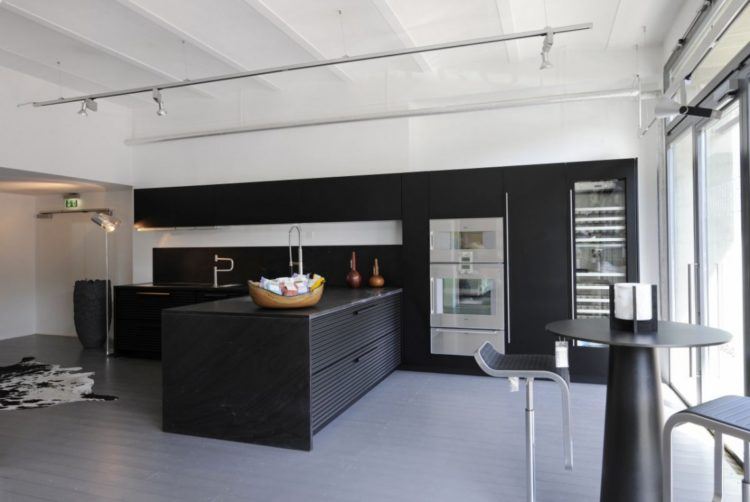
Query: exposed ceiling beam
(390,16)
(47,23)
(269,14)
(62,76)
(204,46)
(507,25)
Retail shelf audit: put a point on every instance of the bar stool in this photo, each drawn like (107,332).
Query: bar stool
(529,367)
(728,415)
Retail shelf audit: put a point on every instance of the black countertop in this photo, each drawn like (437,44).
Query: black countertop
(334,298)
(192,286)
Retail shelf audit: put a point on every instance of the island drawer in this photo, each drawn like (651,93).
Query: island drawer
(147,304)
(338,335)
(338,386)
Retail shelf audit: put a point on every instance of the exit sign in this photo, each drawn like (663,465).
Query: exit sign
(72,201)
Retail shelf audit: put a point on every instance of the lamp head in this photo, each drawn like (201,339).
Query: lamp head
(106,222)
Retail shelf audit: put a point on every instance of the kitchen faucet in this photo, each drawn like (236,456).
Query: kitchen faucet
(217,259)
(299,250)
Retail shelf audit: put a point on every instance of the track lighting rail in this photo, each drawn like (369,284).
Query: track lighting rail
(317,64)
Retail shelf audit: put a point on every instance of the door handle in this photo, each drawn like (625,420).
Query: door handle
(152,293)
(432,240)
(572,260)
(690,292)
(507,267)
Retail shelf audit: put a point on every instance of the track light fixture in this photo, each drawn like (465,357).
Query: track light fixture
(161,111)
(546,48)
(87,104)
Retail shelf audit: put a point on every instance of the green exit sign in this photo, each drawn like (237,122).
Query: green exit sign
(72,201)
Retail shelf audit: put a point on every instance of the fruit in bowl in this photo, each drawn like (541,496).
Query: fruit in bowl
(296,292)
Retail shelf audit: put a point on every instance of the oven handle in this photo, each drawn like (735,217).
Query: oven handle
(506,220)
(432,295)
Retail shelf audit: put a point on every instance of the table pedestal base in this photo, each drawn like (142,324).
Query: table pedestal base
(631,467)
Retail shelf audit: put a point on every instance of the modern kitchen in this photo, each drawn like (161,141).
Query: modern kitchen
(370,250)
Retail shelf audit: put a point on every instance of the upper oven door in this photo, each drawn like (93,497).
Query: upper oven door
(467,295)
(477,240)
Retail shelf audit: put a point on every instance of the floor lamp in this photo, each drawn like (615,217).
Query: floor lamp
(109,224)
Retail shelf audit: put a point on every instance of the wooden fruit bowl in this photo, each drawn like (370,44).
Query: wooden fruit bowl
(267,299)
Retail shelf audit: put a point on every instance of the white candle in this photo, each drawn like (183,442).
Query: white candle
(624,301)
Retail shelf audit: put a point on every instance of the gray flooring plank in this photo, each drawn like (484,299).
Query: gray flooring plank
(416,436)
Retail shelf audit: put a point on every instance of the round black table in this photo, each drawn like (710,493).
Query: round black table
(632,463)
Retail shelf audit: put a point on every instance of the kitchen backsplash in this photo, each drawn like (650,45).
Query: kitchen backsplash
(332,262)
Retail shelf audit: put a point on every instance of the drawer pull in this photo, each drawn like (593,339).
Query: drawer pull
(364,309)
(152,293)
(359,357)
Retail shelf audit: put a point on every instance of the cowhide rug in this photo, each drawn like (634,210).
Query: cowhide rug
(31,384)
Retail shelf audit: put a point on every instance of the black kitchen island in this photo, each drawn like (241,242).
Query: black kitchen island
(235,371)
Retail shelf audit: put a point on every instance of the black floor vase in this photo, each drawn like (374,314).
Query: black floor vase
(90,311)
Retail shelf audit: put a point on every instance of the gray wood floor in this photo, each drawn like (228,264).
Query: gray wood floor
(417,436)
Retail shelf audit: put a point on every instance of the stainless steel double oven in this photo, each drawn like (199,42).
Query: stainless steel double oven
(467,287)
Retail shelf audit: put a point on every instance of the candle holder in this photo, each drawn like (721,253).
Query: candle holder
(634,325)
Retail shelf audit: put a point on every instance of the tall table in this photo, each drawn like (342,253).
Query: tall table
(631,465)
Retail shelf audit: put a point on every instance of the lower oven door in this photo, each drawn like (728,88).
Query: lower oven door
(467,296)
(464,342)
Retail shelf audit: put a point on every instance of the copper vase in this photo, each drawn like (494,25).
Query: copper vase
(376,280)
(353,278)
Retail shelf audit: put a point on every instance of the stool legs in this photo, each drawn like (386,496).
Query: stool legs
(530,484)
(746,476)
(718,467)
(667,492)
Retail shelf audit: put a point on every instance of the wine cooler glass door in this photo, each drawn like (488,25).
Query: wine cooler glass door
(600,244)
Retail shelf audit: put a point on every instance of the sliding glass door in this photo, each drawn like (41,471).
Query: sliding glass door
(705,259)
(722,249)
(683,369)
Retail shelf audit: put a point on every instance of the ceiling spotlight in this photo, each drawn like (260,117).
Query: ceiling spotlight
(161,111)
(546,47)
(86,105)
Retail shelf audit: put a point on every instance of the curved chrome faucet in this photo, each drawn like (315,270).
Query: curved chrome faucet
(299,250)
(217,259)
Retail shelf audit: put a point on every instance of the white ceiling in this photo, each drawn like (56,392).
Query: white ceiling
(113,44)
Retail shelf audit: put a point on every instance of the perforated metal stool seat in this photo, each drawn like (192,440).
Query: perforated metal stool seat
(530,367)
(728,415)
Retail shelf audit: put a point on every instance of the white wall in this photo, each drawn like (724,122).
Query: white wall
(55,140)
(17,265)
(70,247)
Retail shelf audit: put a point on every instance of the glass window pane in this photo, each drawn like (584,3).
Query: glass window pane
(682,257)
(722,274)
(731,42)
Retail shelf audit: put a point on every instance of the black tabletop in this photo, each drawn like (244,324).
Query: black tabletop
(670,334)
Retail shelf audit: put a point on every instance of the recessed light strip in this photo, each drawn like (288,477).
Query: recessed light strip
(317,64)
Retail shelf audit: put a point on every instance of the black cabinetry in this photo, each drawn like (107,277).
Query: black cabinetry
(539,264)
(138,313)
(537,256)
(234,371)
(352,198)
(466,193)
